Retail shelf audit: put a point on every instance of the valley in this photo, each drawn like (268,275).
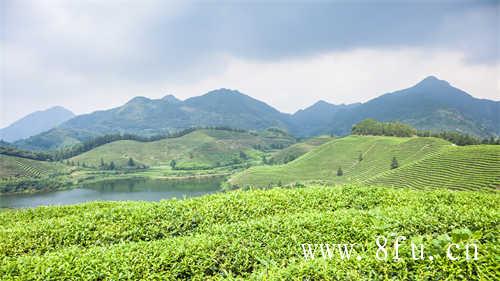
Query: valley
(160,199)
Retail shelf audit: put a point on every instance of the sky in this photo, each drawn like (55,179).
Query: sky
(93,55)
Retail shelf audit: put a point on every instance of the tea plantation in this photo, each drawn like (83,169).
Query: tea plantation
(254,235)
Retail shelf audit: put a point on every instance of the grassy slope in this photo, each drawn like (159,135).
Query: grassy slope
(322,163)
(469,167)
(201,148)
(251,235)
(11,166)
(295,151)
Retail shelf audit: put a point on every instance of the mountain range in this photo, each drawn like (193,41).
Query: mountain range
(431,104)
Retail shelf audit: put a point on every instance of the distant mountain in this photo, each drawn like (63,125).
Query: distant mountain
(431,104)
(35,123)
(315,120)
(145,116)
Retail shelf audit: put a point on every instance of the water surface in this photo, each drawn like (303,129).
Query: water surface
(116,190)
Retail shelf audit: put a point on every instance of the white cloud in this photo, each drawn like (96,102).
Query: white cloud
(346,77)
(90,55)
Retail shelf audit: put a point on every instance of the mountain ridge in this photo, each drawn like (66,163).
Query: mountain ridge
(430,104)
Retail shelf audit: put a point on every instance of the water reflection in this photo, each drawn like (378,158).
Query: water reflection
(116,190)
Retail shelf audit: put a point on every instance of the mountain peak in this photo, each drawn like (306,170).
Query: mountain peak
(432,81)
(35,123)
(171,99)
(225,91)
(138,99)
(322,103)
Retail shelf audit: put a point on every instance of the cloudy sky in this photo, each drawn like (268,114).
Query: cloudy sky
(89,55)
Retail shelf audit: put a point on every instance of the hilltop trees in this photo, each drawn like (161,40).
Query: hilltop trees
(396,129)
(375,128)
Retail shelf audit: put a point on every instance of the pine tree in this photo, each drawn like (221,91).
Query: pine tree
(360,157)
(173,163)
(131,162)
(102,163)
(394,163)
(112,165)
(340,172)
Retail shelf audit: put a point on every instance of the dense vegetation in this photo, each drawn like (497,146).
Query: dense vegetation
(35,155)
(252,235)
(375,128)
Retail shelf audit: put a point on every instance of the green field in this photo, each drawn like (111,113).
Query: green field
(253,235)
(323,162)
(295,151)
(11,166)
(462,168)
(200,149)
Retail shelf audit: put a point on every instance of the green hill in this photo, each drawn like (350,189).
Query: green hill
(295,151)
(11,166)
(200,149)
(254,235)
(322,163)
(469,167)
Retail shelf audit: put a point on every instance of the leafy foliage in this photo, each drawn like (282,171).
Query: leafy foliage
(252,235)
(375,128)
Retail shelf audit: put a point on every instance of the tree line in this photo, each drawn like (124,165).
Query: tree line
(77,149)
(397,129)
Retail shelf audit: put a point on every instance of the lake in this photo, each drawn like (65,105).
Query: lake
(116,190)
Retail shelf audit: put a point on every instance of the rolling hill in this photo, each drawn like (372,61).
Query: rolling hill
(11,166)
(423,163)
(296,150)
(206,148)
(431,104)
(462,168)
(35,123)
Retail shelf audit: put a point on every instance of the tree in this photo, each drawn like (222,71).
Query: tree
(102,163)
(112,165)
(131,162)
(264,159)
(243,155)
(360,157)
(173,163)
(340,172)
(394,163)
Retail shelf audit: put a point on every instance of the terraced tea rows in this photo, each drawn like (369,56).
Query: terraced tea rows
(462,168)
(252,235)
(200,149)
(11,166)
(322,163)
